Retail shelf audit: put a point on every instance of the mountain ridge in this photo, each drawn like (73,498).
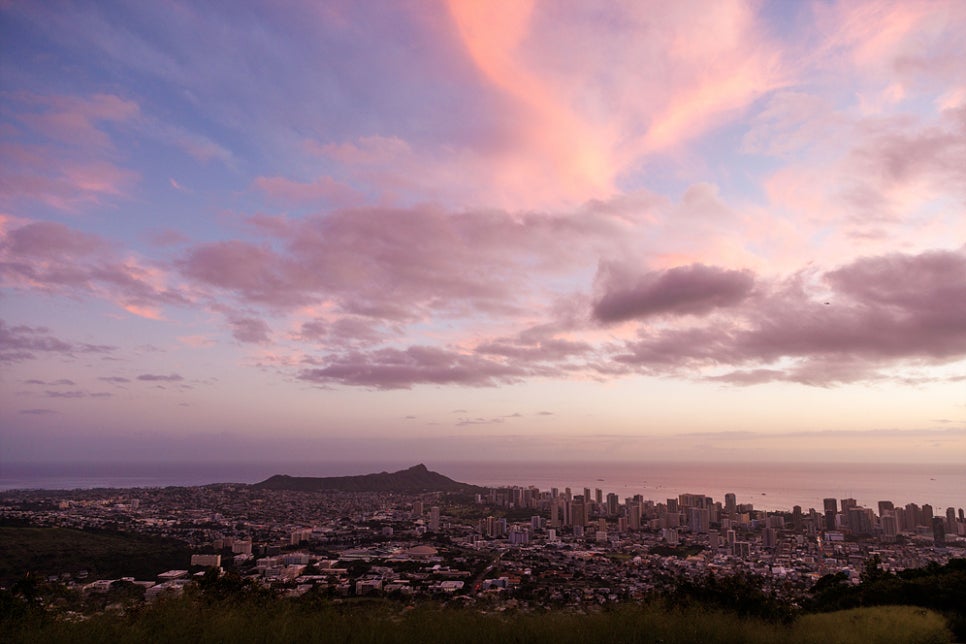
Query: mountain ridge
(417,478)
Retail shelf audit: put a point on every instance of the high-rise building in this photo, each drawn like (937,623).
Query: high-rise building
(860,520)
(670,535)
(951,521)
(599,496)
(900,515)
(846,505)
(699,520)
(557,512)
(634,515)
(769,538)
(831,505)
(939,531)
(885,507)
(714,540)
(578,511)
(890,527)
(613,504)
(434,519)
(913,516)
(829,519)
(691,501)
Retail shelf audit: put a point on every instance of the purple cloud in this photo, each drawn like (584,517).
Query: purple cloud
(535,346)
(38,412)
(346,331)
(49,238)
(694,289)
(397,265)
(402,369)
(151,377)
(57,259)
(882,310)
(65,394)
(114,380)
(19,343)
(250,330)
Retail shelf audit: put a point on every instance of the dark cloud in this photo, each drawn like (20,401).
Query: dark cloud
(151,377)
(114,380)
(65,394)
(882,311)
(19,343)
(695,289)
(402,369)
(250,330)
(463,422)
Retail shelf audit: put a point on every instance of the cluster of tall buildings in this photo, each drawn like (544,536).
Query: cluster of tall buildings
(697,513)
(891,521)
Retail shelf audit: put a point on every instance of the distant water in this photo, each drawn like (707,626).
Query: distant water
(771,486)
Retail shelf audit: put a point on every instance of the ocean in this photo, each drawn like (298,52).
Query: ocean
(768,486)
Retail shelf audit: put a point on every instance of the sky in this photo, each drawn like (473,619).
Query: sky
(441,231)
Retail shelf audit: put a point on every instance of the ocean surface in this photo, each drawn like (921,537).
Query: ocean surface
(769,486)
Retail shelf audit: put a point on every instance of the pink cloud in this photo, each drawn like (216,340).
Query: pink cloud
(74,120)
(594,97)
(47,175)
(69,162)
(51,257)
(400,264)
(346,331)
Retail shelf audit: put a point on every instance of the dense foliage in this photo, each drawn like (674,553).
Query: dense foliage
(103,554)
(941,588)
(251,617)
(230,608)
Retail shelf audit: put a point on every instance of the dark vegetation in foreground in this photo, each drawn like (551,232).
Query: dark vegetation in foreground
(102,553)
(711,609)
(196,617)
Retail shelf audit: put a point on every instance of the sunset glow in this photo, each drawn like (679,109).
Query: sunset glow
(504,230)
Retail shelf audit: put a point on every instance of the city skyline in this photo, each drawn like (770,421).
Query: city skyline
(509,230)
